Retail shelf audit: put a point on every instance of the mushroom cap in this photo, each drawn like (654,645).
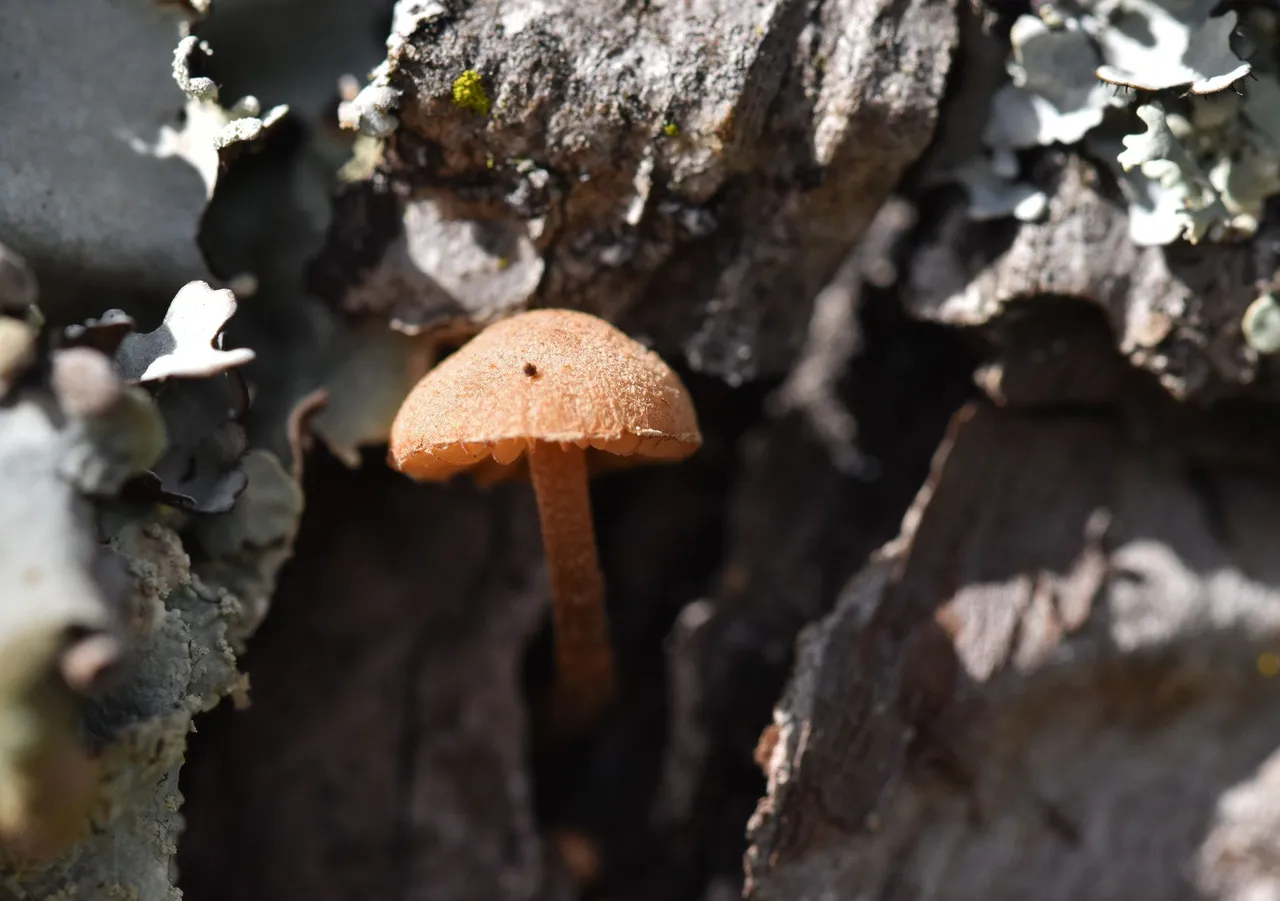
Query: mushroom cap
(545,375)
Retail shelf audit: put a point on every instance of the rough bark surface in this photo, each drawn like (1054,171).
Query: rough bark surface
(1047,673)
(694,171)
(1006,704)
(387,708)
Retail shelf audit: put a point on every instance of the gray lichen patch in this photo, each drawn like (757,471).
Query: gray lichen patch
(49,580)
(182,664)
(88,780)
(196,87)
(121,572)
(1071,64)
(17,350)
(1261,324)
(199,405)
(135,230)
(114,432)
(1154,45)
(210,132)
(1208,165)
(1160,156)
(47,560)
(160,529)
(187,343)
(373,111)
(994,194)
(1055,96)
(107,435)
(245,547)
(1192,171)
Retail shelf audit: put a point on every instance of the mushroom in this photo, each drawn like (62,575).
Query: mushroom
(549,386)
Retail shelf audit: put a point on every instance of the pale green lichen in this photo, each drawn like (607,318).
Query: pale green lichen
(133,507)
(366,155)
(1206,161)
(1261,324)
(1054,97)
(993,195)
(196,87)
(17,349)
(208,129)
(186,666)
(469,93)
(1176,46)
(1159,155)
(88,787)
(372,112)
(1213,164)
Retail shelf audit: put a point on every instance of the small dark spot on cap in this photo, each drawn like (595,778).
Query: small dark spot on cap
(530,370)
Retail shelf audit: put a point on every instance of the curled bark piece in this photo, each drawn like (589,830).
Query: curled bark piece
(1174,311)
(188,343)
(104,333)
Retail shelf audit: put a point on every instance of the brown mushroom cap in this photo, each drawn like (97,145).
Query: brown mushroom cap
(545,375)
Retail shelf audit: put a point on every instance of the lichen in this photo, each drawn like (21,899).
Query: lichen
(469,93)
(107,438)
(1261,324)
(49,578)
(1195,165)
(1155,45)
(184,344)
(209,131)
(197,87)
(1054,95)
(184,665)
(994,194)
(144,524)
(88,781)
(17,350)
(372,112)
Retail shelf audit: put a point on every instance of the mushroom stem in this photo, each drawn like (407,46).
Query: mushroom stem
(584,659)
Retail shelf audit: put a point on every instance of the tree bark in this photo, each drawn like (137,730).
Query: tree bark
(969,594)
